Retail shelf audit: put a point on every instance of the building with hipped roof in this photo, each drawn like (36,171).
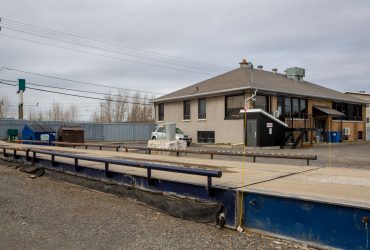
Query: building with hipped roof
(209,111)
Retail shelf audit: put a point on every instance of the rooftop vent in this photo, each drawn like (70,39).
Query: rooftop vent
(274,70)
(260,67)
(295,73)
(245,64)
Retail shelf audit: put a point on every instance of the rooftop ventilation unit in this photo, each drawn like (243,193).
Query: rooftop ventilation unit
(245,64)
(295,73)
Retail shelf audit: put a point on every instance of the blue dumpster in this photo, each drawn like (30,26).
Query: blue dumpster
(334,136)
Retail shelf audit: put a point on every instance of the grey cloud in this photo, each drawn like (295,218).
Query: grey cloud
(331,39)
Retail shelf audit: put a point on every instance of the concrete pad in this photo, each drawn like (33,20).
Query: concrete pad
(333,185)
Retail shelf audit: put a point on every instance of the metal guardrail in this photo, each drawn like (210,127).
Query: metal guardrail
(86,145)
(107,161)
(212,153)
(254,155)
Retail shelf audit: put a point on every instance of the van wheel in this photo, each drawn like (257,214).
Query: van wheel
(154,138)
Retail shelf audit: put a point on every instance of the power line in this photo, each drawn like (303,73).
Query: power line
(109,44)
(111,50)
(74,95)
(76,81)
(101,55)
(78,90)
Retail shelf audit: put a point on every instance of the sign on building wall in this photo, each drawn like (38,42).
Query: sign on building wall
(44,137)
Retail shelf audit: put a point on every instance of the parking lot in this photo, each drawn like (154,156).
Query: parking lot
(349,155)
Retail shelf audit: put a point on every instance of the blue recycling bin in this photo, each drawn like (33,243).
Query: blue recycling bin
(334,136)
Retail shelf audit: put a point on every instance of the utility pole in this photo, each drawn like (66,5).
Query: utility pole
(21,89)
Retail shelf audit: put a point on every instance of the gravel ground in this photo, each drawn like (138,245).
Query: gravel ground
(349,155)
(342,155)
(44,213)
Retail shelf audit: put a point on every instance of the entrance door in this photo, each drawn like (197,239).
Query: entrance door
(251,133)
(320,128)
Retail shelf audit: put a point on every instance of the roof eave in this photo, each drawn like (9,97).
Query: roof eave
(229,91)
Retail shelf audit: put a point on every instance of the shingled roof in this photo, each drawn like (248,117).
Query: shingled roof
(240,79)
(41,128)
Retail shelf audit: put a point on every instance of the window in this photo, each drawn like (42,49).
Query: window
(352,112)
(206,136)
(302,108)
(260,102)
(291,107)
(280,105)
(233,106)
(359,135)
(202,108)
(160,130)
(368,120)
(187,110)
(179,131)
(295,112)
(160,112)
(288,106)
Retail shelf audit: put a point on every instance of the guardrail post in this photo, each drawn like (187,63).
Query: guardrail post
(15,154)
(107,173)
(254,159)
(117,148)
(149,151)
(308,162)
(100,147)
(85,146)
(53,160)
(76,165)
(149,176)
(33,158)
(27,155)
(126,149)
(4,153)
(209,185)
(177,153)
(211,156)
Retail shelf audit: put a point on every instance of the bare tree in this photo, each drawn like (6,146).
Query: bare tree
(135,113)
(4,106)
(121,107)
(34,115)
(73,112)
(113,109)
(55,113)
(141,109)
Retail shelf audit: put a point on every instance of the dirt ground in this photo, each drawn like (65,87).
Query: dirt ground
(348,155)
(44,213)
(342,155)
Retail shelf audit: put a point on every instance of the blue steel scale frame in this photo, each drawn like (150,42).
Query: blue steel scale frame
(334,225)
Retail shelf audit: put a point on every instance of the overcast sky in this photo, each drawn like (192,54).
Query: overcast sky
(330,39)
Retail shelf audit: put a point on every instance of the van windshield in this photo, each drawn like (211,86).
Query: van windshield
(178,131)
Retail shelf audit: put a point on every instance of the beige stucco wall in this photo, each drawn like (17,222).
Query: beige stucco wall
(226,131)
(365,97)
(231,131)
